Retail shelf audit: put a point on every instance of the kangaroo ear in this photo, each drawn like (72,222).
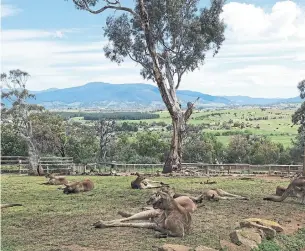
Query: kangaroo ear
(163,195)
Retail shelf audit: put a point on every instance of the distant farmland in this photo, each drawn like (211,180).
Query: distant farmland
(274,123)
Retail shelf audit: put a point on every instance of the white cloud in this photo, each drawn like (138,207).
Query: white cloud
(54,62)
(8,10)
(263,55)
(250,22)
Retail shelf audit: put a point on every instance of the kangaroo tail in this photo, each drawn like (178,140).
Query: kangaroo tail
(10,205)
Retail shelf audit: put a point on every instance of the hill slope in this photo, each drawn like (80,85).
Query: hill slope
(118,96)
(105,95)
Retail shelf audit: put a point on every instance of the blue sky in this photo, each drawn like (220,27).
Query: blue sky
(60,46)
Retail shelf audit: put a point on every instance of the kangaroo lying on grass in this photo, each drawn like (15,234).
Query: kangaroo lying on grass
(167,217)
(78,186)
(214,194)
(186,201)
(296,188)
(55,180)
(141,182)
(217,194)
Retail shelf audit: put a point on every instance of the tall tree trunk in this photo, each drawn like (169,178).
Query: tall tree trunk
(173,161)
(33,160)
(168,95)
(179,119)
(33,155)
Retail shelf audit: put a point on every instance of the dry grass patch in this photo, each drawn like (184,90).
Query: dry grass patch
(51,220)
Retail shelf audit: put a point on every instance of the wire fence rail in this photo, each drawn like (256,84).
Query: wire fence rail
(20,165)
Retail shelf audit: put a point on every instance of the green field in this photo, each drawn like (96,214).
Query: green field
(278,126)
(51,220)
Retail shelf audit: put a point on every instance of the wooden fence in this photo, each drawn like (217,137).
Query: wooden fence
(209,169)
(19,164)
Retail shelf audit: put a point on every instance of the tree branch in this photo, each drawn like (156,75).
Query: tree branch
(180,73)
(137,61)
(189,109)
(86,7)
(156,69)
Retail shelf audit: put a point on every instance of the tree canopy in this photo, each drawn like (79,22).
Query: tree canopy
(299,116)
(168,38)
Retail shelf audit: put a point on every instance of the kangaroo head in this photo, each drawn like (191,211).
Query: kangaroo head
(70,188)
(168,190)
(156,195)
(153,198)
(164,201)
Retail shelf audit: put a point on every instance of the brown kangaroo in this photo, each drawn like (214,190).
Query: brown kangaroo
(296,188)
(167,217)
(79,186)
(185,201)
(55,180)
(217,194)
(141,182)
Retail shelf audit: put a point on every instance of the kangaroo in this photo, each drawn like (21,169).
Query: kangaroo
(217,194)
(185,201)
(55,180)
(296,188)
(141,182)
(167,217)
(79,186)
(150,212)
(10,205)
(280,190)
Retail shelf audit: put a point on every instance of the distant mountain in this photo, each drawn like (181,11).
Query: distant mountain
(107,95)
(135,96)
(245,100)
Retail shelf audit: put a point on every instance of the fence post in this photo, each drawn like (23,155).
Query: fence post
(289,170)
(113,165)
(269,170)
(47,168)
(20,166)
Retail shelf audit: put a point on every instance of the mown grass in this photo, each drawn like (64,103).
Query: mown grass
(51,220)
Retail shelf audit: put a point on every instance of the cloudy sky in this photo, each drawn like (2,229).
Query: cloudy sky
(60,46)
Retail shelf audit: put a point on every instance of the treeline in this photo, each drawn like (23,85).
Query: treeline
(110,116)
(82,143)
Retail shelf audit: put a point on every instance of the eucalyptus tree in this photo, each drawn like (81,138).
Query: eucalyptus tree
(167,38)
(16,110)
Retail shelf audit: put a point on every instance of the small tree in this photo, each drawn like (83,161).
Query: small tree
(105,130)
(49,132)
(19,112)
(168,38)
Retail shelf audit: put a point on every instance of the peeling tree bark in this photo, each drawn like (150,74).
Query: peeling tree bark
(33,156)
(179,119)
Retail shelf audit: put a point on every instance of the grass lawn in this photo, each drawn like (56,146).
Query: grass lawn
(53,221)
